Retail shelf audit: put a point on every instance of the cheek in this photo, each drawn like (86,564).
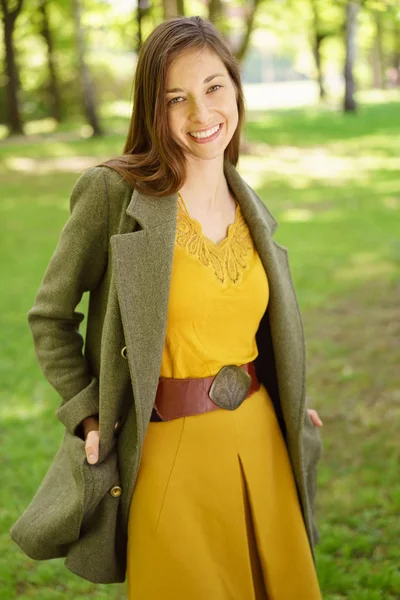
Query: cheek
(230,107)
(172,123)
(176,121)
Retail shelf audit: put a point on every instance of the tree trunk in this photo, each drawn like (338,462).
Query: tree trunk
(379,70)
(55,99)
(318,61)
(352,9)
(86,82)
(170,9)
(376,71)
(139,16)
(181,7)
(13,119)
(214,11)
(318,38)
(396,55)
(244,46)
(144,9)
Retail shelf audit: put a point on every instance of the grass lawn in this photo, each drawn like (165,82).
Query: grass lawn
(333,184)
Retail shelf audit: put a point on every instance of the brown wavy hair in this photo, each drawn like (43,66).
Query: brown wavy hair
(152,162)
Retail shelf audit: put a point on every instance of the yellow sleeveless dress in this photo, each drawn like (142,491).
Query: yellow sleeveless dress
(215,513)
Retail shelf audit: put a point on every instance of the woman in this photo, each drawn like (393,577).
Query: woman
(188,463)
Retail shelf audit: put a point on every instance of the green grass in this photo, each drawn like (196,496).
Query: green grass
(333,184)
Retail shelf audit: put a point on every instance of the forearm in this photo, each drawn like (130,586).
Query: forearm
(58,345)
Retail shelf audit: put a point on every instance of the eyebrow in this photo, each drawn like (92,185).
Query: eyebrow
(207,80)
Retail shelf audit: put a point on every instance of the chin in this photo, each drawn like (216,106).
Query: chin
(208,154)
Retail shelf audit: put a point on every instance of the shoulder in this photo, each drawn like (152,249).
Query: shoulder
(105,177)
(247,195)
(103,185)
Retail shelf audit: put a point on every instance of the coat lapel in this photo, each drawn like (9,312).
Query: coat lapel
(284,314)
(142,260)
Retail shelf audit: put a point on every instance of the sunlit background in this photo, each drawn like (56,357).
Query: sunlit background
(321,147)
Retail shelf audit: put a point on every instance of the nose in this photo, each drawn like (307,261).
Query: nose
(199,111)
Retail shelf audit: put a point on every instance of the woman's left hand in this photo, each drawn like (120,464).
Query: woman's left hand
(314,417)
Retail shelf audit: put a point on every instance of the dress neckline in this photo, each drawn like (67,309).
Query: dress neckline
(199,228)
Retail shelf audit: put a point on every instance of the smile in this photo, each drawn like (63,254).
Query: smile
(201,135)
(205,137)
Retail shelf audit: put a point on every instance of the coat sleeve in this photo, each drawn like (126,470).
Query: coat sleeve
(77,266)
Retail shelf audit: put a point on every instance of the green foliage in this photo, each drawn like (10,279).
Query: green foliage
(111,34)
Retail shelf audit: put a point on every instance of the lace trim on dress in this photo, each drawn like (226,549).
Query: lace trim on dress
(228,258)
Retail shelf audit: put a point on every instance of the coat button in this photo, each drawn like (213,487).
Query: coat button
(116,491)
(117,425)
(124,352)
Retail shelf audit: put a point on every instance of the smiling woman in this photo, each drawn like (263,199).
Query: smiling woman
(187,87)
(190,393)
(215,514)
(202,119)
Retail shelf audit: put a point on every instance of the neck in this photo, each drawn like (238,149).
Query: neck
(205,183)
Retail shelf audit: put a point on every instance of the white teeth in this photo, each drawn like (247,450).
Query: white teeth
(205,134)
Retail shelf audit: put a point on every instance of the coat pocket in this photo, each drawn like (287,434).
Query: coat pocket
(98,480)
(312,452)
(65,499)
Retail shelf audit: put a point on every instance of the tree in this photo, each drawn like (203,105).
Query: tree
(139,16)
(379,63)
(86,81)
(170,9)
(352,8)
(322,20)
(9,18)
(396,51)
(318,36)
(45,31)
(214,11)
(249,17)
(222,16)
(180,4)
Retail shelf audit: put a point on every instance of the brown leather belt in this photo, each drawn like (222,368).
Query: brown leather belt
(177,398)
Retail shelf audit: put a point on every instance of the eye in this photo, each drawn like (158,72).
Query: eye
(175,100)
(213,87)
(179,99)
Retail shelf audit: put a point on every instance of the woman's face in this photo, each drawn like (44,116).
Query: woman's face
(201,103)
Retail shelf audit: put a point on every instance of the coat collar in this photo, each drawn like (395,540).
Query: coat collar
(150,211)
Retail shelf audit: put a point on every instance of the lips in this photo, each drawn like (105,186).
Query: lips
(205,133)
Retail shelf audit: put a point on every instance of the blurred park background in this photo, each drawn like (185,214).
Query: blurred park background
(321,146)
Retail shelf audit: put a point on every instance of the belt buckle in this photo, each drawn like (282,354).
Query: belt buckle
(230,387)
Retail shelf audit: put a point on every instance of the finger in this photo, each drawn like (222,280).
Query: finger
(314,417)
(90,424)
(92,446)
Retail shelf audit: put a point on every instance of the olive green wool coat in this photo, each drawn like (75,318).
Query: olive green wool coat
(118,245)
